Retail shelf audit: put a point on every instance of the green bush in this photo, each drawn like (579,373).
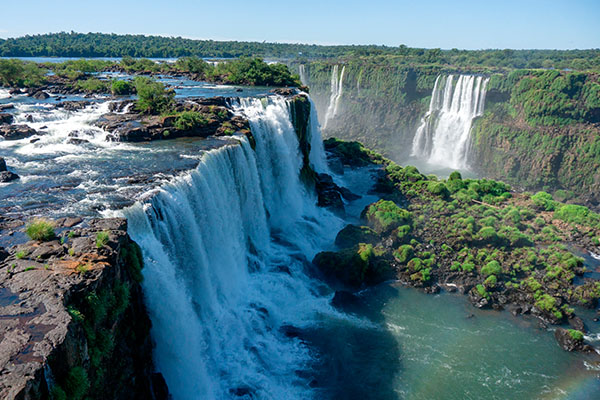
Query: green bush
(40,229)
(121,87)
(385,215)
(491,268)
(490,281)
(577,214)
(575,334)
(189,120)
(438,189)
(544,201)
(153,98)
(93,85)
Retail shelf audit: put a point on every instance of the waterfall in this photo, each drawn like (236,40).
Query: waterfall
(224,249)
(336,94)
(303,76)
(443,137)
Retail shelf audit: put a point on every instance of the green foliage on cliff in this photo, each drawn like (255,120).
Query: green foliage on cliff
(189,120)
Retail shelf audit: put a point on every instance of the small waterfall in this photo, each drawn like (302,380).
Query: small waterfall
(303,75)
(224,249)
(443,136)
(337,87)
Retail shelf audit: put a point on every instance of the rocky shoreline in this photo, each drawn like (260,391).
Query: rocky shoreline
(409,237)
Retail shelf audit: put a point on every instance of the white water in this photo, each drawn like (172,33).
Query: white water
(443,137)
(302,73)
(224,250)
(337,86)
(4,93)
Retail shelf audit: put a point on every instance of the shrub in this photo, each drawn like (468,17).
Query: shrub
(121,88)
(153,98)
(101,239)
(491,268)
(576,214)
(576,334)
(468,267)
(20,254)
(544,201)
(40,229)
(93,85)
(482,292)
(438,189)
(189,120)
(455,176)
(386,215)
(490,281)
(488,235)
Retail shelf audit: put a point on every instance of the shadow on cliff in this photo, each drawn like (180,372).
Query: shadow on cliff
(356,357)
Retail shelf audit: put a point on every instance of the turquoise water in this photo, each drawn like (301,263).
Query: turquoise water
(408,345)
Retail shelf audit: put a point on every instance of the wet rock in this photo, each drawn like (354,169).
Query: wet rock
(15,91)
(6,118)
(16,132)
(2,164)
(119,106)
(345,301)
(285,91)
(3,254)
(567,340)
(352,235)
(40,95)
(34,140)
(577,323)
(46,250)
(4,107)
(159,387)
(7,176)
(73,105)
(77,141)
(328,193)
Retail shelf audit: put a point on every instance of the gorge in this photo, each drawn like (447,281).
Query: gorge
(238,206)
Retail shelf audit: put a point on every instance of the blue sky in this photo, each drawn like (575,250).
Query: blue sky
(463,24)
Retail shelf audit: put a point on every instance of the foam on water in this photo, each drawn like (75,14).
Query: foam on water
(225,248)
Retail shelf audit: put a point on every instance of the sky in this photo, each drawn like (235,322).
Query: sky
(463,24)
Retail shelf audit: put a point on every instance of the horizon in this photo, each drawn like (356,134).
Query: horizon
(465,25)
(295,43)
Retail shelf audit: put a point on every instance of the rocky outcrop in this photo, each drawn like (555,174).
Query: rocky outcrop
(16,132)
(73,105)
(570,339)
(74,324)
(7,176)
(6,118)
(214,119)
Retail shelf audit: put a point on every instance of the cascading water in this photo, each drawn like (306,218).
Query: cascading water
(337,86)
(302,73)
(443,136)
(225,248)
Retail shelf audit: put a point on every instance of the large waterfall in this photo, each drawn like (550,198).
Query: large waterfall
(303,75)
(337,86)
(225,248)
(443,137)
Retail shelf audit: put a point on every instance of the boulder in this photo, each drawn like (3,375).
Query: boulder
(15,91)
(73,105)
(569,339)
(352,235)
(4,107)
(16,132)
(2,164)
(7,176)
(6,118)
(40,95)
(577,323)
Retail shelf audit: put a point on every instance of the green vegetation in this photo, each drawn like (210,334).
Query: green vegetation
(386,215)
(153,98)
(189,120)
(575,334)
(17,73)
(40,229)
(101,239)
(20,254)
(109,45)
(121,87)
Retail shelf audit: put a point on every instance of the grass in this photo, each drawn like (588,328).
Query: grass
(40,229)
(83,268)
(21,254)
(101,239)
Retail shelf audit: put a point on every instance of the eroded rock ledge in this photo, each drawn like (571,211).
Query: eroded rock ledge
(72,319)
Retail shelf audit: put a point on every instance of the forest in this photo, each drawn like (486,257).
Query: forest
(72,44)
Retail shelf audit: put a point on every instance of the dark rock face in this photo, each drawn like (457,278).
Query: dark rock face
(4,107)
(7,176)
(73,105)
(70,311)
(352,235)
(16,132)
(6,118)
(567,341)
(2,164)
(40,95)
